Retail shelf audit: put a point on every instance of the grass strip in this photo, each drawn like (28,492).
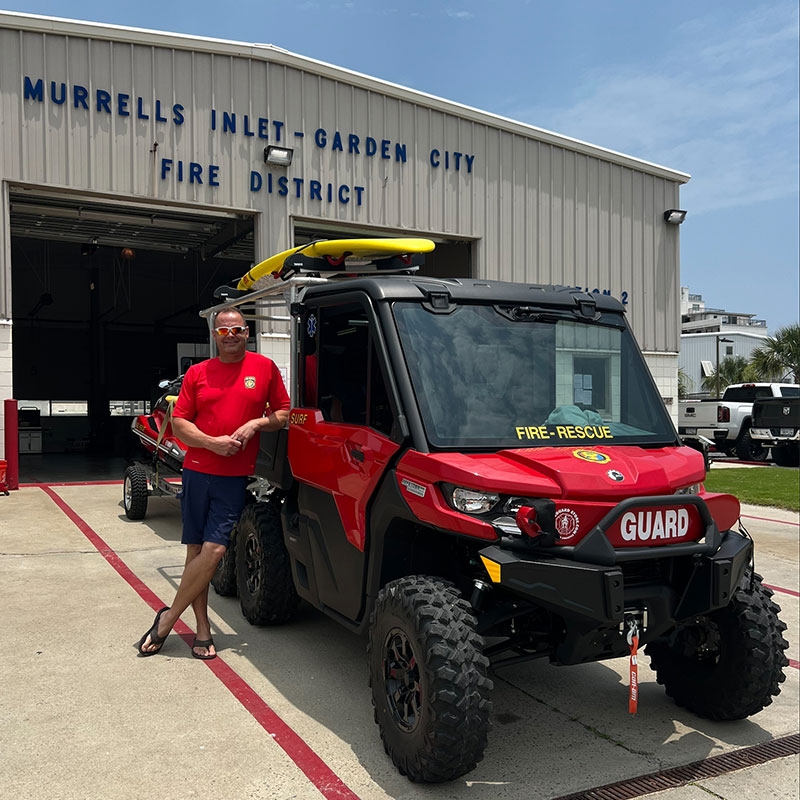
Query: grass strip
(778,487)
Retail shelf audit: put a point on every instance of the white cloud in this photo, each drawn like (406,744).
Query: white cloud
(721,105)
(458,14)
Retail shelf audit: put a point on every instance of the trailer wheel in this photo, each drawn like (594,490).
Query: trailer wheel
(729,664)
(786,455)
(748,449)
(263,571)
(428,676)
(135,492)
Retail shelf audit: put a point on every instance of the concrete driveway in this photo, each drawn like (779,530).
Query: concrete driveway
(285,712)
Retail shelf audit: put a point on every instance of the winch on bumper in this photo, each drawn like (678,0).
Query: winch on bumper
(594,586)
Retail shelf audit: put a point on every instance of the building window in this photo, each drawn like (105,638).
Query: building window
(589,382)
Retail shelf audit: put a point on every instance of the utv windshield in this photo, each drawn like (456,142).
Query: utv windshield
(502,378)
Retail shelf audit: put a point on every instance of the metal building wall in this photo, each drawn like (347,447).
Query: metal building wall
(121,114)
(698,347)
(545,208)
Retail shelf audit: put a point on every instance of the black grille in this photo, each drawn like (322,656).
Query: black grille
(640,573)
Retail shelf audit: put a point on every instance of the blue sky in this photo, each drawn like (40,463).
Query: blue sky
(708,88)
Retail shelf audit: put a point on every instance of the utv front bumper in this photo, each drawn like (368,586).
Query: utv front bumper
(593,585)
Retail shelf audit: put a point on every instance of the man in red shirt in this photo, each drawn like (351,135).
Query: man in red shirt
(223,406)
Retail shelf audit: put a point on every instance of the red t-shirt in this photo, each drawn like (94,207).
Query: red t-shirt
(219,397)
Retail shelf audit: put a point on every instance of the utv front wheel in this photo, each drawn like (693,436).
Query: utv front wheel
(428,675)
(263,572)
(729,664)
(135,492)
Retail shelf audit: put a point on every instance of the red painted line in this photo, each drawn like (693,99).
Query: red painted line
(315,769)
(68,483)
(792,592)
(115,482)
(777,521)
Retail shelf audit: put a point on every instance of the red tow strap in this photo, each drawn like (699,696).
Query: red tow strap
(633,696)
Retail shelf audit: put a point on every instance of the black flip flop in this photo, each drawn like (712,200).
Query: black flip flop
(154,637)
(203,643)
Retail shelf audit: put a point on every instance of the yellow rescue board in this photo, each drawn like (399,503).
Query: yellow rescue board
(337,250)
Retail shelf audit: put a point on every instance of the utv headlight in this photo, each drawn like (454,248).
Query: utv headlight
(692,488)
(469,501)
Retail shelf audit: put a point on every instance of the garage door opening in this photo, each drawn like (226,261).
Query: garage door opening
(105,304)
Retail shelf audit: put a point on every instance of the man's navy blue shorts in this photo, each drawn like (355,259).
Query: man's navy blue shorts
(210,506)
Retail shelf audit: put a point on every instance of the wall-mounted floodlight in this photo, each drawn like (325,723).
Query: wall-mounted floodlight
(282,156)
(674,216)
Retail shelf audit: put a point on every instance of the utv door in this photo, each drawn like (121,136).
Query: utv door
(340,445)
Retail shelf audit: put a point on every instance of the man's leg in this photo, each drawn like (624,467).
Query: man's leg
(210,507)
(201,563)
(203,626)
(226,496)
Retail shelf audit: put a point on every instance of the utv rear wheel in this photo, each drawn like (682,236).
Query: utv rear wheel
(728,664)
(224,580)
(135,492)
(748,449)
(263,572)
(428,675)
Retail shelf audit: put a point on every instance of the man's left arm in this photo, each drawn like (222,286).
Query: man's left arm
(278,405)
(253,427)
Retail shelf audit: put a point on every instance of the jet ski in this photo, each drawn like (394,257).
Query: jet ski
(158,471)
(154,430)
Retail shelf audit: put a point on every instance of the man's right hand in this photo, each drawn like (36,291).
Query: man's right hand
(225,445)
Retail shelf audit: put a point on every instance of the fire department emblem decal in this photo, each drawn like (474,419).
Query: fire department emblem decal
(567,523)
(615,475)
(250,382)
(591,455)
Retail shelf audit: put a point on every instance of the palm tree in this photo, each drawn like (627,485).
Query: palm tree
(732,369)
(779,357)
(685,384)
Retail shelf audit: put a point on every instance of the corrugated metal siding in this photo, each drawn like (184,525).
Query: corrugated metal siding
(542,212)
(703,347)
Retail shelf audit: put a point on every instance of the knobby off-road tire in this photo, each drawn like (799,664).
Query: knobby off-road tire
(428,676)
(748,449)
(224,580)
(729,664)
(263,572)
(135,492)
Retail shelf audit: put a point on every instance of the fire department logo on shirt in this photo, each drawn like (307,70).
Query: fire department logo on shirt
(250,382)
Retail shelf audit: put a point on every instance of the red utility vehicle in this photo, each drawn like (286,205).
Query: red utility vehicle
(481,473)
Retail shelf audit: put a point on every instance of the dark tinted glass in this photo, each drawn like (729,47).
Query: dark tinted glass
(484,379)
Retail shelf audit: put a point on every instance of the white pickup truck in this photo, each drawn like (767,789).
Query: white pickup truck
(734,417)
(697,420)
